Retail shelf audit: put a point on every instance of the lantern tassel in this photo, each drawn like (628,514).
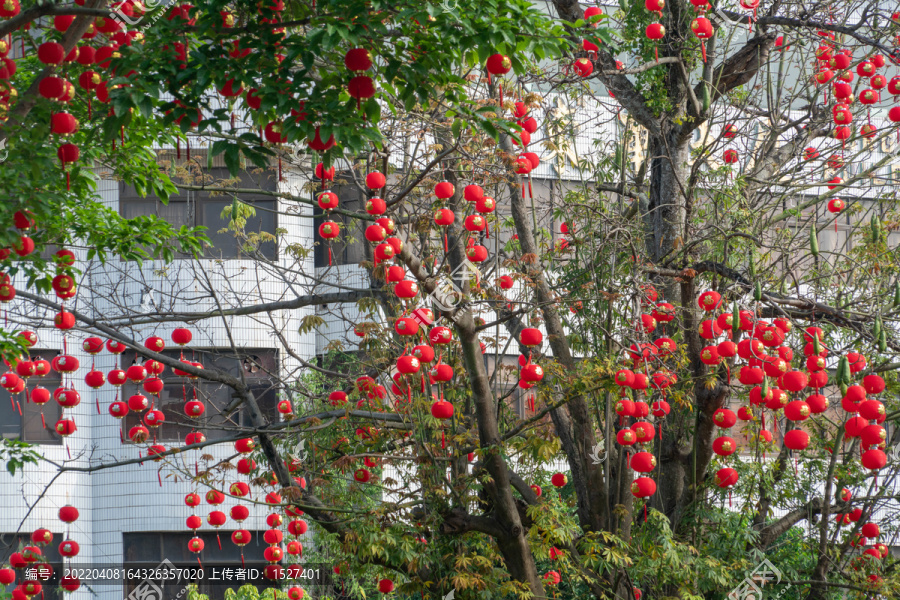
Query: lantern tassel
(487,230)
(159,477)
(68,450)
(500,86)
(703,49)
(187,142)
(645,512)
(656,53)
(43,422)
(98,404)
(443,442)
(19,408)
(219,539)
(329,254)
(446,246)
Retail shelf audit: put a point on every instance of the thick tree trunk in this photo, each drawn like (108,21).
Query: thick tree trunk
(664,219)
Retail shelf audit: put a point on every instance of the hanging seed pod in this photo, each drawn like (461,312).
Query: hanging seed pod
(876,229)
(897,293)
(752,267)
(813,241)
(757,291)
(882,341)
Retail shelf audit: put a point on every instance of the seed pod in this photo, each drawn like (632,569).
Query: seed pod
(897,293)
(752,266)
(876,229)
(814,241)
(882,341)
(876,330)
(757,291)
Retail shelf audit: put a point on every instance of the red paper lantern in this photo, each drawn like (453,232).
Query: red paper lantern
(358,59)
(51,53)
(726,477)
(498,64)
(643,487)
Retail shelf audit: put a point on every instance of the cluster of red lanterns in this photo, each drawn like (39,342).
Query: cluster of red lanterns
(32,558)
(834,66)
(100,44)
(274,537)
(866,535)
(635,376)
(24,246)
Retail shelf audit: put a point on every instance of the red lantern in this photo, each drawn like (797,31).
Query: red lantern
(68,514)
(358,59)
(643,487)
(726,477)
(724,418)
(498,64)
(51,53)
(796,439)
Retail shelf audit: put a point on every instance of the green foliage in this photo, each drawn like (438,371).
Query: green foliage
(17,454)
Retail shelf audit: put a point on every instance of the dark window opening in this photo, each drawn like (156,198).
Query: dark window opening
(149,550)
(260,370)
(349,248)
(20,418)
(15,542)
(194,208)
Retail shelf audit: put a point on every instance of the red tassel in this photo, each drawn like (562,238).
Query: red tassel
(43,422)
(218,539)
(423,383)
(19,408)
(280,178)
(487,229)
(68,451)
(187,142)
(729,498)
(443,442)
(232,120)
(656,53)
(703,48)
(530,189)
(329,254)
(446,247)
(159,476)
(98,404)
(198,562)
(645,512)
(501,95)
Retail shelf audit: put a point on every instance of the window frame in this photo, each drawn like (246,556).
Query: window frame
(269,378)
(194,201)
(56,381)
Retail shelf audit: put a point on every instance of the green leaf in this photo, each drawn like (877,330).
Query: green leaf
(233,159)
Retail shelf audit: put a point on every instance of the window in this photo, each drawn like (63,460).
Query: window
(198,208)
(20,418)
(344,250)
(260,368)
(146,550)
(15,542)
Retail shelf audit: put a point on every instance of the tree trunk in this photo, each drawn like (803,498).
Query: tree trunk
(665,216)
